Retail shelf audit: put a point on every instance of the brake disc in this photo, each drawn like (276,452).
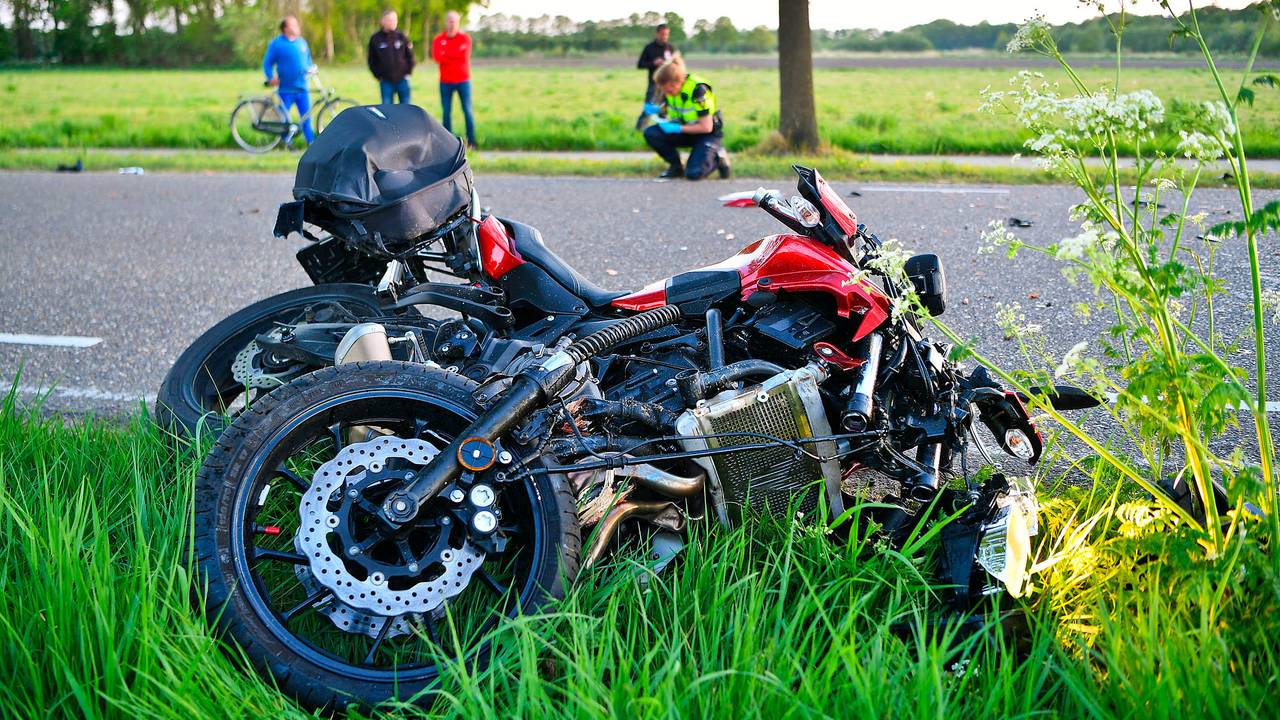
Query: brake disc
(247,369)
(347,618)
(448,574)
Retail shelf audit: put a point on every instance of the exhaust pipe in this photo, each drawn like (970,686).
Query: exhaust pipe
(857,413)
(366,341)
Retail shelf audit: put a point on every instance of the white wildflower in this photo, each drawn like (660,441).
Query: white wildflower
(994,237)
(890,260)
(1031,35)
(1198,146)
(1219,118)
(1070,364)
(1165,184)
(1075,248)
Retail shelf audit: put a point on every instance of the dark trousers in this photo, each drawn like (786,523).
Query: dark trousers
(649,93)
(398,90)
(463,89)
(702,156)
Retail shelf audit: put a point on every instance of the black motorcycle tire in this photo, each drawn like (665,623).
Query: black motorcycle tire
(556,555)
(179,406)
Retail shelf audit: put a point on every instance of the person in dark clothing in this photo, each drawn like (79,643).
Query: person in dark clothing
(391,59)
(651,58)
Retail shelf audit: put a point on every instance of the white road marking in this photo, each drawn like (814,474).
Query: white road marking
(938,190)
(74,341)
(84,393)
(1272,406)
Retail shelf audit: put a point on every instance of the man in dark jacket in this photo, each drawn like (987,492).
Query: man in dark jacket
(391,59)
(651,58)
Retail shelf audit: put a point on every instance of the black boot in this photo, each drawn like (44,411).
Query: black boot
(722,163)
(674,171)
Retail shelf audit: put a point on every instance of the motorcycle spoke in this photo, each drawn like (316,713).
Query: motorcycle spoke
(377,642)
(335,432)
(261,553)
(491,583)
(293,477)
(312,600)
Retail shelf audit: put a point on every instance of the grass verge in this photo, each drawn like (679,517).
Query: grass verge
(925,111)
(763,621)
(835,165)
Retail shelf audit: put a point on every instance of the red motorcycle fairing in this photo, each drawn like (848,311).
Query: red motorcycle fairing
(498,254)
(795,264)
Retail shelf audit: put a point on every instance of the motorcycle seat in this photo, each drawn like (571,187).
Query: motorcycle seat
(528,242)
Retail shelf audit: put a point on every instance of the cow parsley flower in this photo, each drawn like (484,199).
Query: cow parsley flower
(1198,146)
(996,236)
(1031,35)
(1075,248)
(1070,364)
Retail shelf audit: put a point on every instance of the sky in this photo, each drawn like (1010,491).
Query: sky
(836,14)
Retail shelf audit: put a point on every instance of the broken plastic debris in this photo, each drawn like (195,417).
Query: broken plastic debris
(1019,223)
(132,171)
(610,272)
(746,198)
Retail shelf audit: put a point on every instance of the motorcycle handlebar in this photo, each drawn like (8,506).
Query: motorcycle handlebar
(773,205)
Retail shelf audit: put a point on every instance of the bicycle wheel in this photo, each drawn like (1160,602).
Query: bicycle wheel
(255,123)
(329,111)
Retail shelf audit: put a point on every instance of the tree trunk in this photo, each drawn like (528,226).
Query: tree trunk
(797,119)
(328,40)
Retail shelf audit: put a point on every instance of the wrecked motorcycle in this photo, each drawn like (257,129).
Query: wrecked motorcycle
(358,515)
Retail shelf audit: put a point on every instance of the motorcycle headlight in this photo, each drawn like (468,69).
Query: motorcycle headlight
(1004,549)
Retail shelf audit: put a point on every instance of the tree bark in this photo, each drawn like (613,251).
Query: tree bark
(797,118)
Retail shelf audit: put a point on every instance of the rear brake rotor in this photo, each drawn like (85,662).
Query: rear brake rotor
(249,369)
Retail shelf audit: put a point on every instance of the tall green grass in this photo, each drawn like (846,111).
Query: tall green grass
(767,621)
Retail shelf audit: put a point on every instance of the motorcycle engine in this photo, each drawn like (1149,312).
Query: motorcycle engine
(786,406)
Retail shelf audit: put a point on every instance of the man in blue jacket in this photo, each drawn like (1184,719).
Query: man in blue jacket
(289,54)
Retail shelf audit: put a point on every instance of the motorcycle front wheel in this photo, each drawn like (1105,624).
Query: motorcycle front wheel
(201,390)
(337,606)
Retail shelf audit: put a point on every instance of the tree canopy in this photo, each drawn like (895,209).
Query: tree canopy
(162,33)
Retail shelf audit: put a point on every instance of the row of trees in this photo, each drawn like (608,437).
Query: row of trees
(222,32)
(198,32)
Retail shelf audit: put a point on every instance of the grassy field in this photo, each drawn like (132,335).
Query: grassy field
(761,622)
(881,110)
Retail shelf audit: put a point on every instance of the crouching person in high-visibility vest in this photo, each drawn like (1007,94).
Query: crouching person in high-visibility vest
(690,119)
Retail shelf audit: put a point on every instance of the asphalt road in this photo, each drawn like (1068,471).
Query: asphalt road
(146,263)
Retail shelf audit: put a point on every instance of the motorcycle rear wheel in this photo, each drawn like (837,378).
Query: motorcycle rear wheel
(200,390)
(245,573)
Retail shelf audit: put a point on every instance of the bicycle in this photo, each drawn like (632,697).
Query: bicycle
(258,124)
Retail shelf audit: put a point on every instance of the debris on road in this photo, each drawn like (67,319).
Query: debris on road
(746,198)
(78,167)
(134,170)
(1019,223)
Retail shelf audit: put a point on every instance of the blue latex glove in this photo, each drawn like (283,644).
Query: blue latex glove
(651,109)
(670,128)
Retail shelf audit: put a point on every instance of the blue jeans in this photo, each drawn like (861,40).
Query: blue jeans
(399,89)
(446,102)
(302,101)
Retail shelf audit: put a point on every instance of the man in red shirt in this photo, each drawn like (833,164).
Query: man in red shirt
(452,52)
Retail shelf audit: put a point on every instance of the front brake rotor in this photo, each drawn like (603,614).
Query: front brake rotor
(340,570)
